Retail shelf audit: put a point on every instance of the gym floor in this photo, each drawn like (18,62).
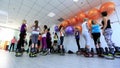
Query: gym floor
(8,60)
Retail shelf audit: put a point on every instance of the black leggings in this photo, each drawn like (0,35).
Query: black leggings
(21,41)
(61,40)
(78,44)
(48,41)
(12,45)
(96,38)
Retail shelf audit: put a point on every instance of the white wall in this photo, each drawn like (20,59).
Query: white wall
(70,43)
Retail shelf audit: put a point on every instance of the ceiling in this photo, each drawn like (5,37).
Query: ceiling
(17,10)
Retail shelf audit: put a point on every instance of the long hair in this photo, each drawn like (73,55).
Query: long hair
(45,27)
(36,24)
(60,27)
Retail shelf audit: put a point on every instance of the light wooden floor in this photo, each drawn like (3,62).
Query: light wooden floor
(8,60)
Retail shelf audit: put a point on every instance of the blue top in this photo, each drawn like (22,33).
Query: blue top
(96,28)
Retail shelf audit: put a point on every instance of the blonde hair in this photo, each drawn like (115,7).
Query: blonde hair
(24,21)
(85,19)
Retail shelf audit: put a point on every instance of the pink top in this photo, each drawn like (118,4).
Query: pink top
(13,40)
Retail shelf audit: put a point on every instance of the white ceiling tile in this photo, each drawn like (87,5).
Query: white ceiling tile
(61,1)
(61,7)
(36,7)
(29,3)
(67,11)
(55,3)
(24,9)
(68,3)
(43,13)
(94,3)
(56,11)
(74,8)
(49,7)
(42,3)
(81,3)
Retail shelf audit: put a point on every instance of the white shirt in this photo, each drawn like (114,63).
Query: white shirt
(84,27)
(44,35)
(35,31)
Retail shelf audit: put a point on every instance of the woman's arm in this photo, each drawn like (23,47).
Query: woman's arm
(105,23)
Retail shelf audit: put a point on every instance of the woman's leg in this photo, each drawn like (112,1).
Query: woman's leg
(13,46)
(107,36)
(78,44)
(61,42)
(95,38)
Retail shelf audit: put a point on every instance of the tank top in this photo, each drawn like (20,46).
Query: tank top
(96,28)
(84,27)
(61,33)
(108,24)
(55,38)
(35,31)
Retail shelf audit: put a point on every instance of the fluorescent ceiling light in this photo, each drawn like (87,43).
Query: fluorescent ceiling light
(51,14)
(75,0)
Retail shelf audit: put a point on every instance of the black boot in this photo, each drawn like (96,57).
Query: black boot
(92,52)
(109,54)
(117,52)
(101,52)
(112,52)
(117,49)
(87,53)
(106,51)
(97,51)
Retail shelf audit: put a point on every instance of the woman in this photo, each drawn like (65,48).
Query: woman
(39,42)
(86,35)
(44,43)
(107,32)
(95,33)
(61,39)
(55,39)
(13,41)
(20,44)
(35,34)
(48,40)
(77,37)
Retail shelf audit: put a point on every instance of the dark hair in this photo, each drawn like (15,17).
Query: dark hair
(55,33)
(36,24)
(108,20)
(60,27)
(45,27)
(39,33)
(92,22)
(104,13)
(48,29)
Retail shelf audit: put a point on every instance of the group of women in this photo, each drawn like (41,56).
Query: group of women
(94,31)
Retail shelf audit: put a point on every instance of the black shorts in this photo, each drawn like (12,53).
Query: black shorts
(38,42)
(55,41)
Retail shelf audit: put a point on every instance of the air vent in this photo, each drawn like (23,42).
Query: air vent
(60,19)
